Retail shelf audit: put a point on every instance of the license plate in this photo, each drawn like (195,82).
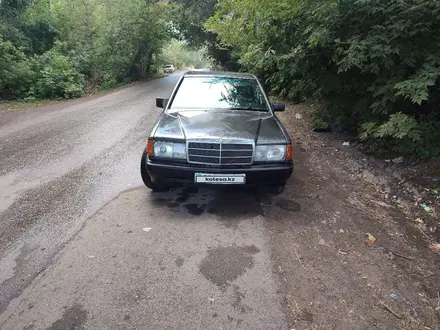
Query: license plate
(220,178)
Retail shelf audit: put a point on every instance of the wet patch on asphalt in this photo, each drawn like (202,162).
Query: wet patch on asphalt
(161,201)
(186,194)
(223,265)
(173,205)
(231,205)
(238,297)
(228,205)
(179,262)
(73,318)
(288,205)
(195,209)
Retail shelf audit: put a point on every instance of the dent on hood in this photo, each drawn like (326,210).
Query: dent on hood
(228,125)
(169,128)
(270,132)
(220,124)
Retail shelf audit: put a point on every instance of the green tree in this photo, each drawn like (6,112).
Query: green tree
(181,56)
(372,64)
(189,19)
(59,48)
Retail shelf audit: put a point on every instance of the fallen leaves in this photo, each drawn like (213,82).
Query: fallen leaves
(426,207)
(342,252)
(370,239)
(435,247)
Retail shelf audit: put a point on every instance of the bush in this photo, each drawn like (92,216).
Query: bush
(373,64)
(50,75)
(15,71)
(56,77)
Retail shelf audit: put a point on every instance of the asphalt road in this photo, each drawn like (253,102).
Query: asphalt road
(84,245)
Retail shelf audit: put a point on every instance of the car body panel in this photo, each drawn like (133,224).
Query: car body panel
(256,175)
(198,124)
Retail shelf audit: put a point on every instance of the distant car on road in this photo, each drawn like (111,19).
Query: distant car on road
(217,128)
(169,68)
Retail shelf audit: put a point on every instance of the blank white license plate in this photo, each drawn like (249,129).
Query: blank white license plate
(220,178)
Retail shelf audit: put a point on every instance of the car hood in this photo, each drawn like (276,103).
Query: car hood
(200,124)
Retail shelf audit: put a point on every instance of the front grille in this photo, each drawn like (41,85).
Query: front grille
(220,153)
(203,160)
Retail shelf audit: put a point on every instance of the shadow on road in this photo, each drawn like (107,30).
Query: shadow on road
(229,204)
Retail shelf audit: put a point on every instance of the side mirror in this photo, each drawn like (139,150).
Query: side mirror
(278,107)
(161,102)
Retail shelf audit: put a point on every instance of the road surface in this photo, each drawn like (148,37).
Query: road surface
(63,164)
(84,245)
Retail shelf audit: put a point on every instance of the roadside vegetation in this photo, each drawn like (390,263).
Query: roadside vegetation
(370,66)
(53,49)
(182,56)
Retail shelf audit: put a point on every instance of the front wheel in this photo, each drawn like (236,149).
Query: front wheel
(146,177)
(279,190)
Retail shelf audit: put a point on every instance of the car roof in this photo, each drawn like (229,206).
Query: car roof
(223,74)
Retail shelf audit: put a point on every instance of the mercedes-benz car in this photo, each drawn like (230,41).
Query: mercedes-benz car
(217,128)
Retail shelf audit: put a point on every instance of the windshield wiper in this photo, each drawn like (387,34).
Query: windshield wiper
(246,108)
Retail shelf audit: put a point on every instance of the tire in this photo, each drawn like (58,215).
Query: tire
(146,177)
(279,189)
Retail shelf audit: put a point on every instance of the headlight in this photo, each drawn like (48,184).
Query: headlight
(163,149)
(270,153)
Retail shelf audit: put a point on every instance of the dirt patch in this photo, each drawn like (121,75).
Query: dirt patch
(331,278)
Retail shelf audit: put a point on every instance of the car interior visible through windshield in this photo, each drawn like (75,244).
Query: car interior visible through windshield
(219,93)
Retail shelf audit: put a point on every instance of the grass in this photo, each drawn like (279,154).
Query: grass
(19,105)
(7,106)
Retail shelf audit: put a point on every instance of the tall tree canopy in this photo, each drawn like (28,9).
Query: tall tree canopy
(55,48)
(373,64)
(189,19)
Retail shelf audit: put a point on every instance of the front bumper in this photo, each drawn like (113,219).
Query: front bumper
(256,175)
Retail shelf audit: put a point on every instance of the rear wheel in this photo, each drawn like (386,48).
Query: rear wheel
(146,177)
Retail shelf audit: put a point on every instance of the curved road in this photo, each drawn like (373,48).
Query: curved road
(200,265)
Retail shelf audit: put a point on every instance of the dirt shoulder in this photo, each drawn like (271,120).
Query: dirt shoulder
(332,277)
(48,105)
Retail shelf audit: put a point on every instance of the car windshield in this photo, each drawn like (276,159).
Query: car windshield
(219,93)
(167,66)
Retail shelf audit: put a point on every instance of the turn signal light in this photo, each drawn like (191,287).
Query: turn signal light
(150,148)
(289,152)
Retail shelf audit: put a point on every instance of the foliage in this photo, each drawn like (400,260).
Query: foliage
(55,76)
(372,64)
(58,48)
(14,70)
(189,17)
(181,56)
